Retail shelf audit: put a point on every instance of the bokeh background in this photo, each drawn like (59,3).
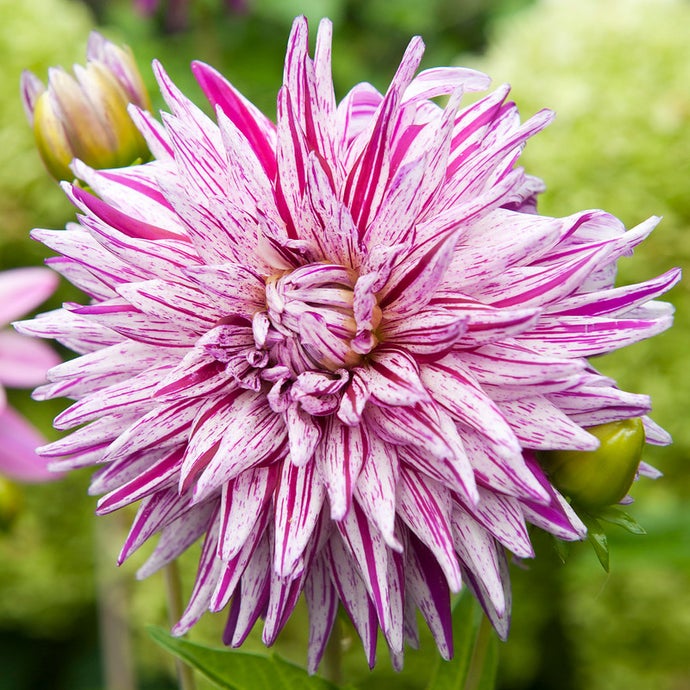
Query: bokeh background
(618,75)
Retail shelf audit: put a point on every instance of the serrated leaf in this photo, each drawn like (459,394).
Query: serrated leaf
(616,516)
(474,664)
(233,670)
(598,540)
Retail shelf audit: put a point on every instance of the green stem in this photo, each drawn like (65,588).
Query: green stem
(481,647)
(113,609)
(173,590)
(331,666)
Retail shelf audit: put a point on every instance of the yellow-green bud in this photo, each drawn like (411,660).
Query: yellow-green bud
(601,477)
(85,116)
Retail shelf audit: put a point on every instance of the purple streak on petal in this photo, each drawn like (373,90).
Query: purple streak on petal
(155,513)
(512,364)
(133,191)
(339,460)
(31,88)
(427,586)
(483,561)
(283,597)
(159,475)
(346,577)
(353,402)
(176,537)
(241,434)
(454,388)
(425,506)
(322,603)
(153,132)
(375,490)
(298,501)
(117,397)
(556,517)
(210,567)
(369,176)
(244,499)
(654,434)
(163,425)
(255,549)
(513,478)
(392,378)
(304,434)
(128,225)
(369,551)
(502,517)
(539,424)
(260,131)
(250,598)
(416,425)
(617,300)
(98,435)
(428,333)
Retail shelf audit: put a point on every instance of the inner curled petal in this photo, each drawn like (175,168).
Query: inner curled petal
(311,312)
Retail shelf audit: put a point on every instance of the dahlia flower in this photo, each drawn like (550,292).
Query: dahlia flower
(332,346)
(23,364)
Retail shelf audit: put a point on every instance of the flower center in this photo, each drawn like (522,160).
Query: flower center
(311,313)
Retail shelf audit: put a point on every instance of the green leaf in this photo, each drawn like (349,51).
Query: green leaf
(474,664)
(616,516)
(562,549)
(233,670)
(597,539)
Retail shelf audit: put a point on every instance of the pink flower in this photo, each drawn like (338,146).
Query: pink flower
(23,364)
(332,345)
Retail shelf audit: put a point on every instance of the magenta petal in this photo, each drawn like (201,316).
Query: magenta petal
(24,362)
(299,497)
(18,441)
(23,289)
(322,601)
(426,509)
(369,551)
(427,586)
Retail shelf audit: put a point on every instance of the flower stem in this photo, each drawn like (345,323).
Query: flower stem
(333,655)
(481,646)
(113,604)
(173,590)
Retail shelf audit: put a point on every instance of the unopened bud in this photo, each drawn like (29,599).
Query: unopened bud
(602,477)
(85,116)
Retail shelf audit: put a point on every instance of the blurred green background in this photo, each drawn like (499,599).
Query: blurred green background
(618,75)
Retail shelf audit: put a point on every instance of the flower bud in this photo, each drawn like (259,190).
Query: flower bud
(85,116)
(594,479)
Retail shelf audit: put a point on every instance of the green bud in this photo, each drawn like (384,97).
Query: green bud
(601,477)
(85,116)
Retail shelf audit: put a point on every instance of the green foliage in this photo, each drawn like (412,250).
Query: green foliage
(234,670)
(616,516)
